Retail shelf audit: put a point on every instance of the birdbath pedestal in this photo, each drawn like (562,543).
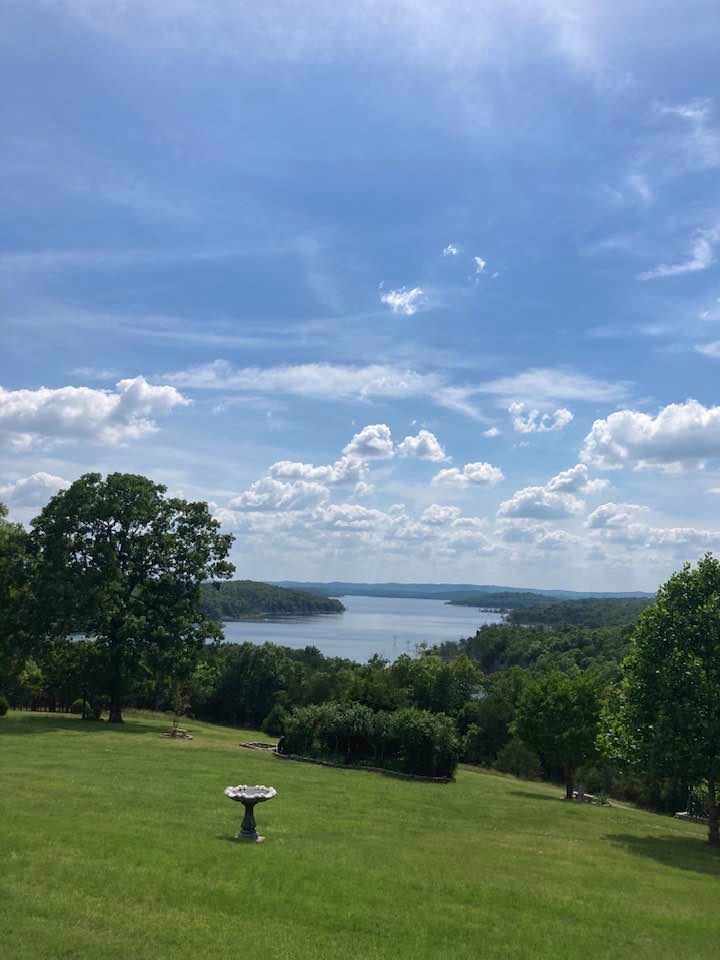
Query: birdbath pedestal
(250,796)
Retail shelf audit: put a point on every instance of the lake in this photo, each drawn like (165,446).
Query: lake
(385,625)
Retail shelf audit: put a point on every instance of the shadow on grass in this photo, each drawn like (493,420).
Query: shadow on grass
(533,795)
(20,724)
(686,853)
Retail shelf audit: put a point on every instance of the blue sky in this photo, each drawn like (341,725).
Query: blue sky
(406,290)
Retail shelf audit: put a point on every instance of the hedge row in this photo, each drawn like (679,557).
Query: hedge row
(410,740)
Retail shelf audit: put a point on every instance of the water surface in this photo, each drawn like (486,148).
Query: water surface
(385,625)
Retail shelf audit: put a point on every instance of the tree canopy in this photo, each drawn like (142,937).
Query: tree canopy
(666,717)
(121,562)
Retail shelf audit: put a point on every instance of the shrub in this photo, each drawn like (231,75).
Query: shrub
(410,740)
(4,705)
(275,722)
(517,758)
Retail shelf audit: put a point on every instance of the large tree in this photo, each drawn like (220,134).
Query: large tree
(121,562)
(15,605)
(557,716)
(665,718)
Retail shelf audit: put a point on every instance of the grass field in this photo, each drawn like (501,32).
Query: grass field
(118,844)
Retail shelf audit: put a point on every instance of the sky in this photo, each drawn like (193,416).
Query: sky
(406,289)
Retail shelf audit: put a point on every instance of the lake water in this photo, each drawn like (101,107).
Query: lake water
(385,625)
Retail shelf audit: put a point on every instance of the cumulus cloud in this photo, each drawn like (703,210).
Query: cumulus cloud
(403,301)
(45,415)
(541,503)
(424,446)
(681,435)
(439,515)
(576,480)
(373,442)
(491,432)
(32,491)
(480,264)
(533,421)
(270,494)
(345,470)
(538,534)
(451,250)
(472,474)
(621,523)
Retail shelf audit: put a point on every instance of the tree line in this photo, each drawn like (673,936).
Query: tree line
(101,604)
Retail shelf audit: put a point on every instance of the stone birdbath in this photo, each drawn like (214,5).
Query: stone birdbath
(250,796)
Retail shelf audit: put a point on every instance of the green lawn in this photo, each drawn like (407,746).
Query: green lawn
(117,844)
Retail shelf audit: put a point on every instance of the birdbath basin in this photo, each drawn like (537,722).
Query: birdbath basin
(250,796)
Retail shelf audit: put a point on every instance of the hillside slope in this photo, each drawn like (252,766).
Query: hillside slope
(235,599)
(118,844)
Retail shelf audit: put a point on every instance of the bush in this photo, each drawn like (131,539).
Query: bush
(517,758)
(4,705)
(275,722)
(409,740)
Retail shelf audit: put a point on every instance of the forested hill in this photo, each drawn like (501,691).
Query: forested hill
(615,612)
(536,610)
(247,598)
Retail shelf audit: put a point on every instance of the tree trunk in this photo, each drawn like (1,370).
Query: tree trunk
(713,827)
(569,784)
(115,685)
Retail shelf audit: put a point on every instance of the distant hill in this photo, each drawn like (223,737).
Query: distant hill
(594,612)
(235,599)
(467,592)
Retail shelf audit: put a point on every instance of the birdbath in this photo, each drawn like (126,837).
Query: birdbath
(248,796)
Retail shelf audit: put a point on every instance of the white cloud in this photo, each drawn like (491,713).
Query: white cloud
(480,264)
(270,494)
(451,250)
(439,515)
(475,474)
(491,432)
(681,435)
(614,515)
(541,535)
(540,503)
(403,301)
(700,256)
(575,480)
(328,381)
(424,446)
(33,491)
(351,516)
(30,417)
(373,442)
(543,386)
(711,349)
(345,470)
(533,421)
(619,523)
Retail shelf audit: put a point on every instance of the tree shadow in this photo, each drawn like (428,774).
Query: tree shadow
(686,853)
(22,724)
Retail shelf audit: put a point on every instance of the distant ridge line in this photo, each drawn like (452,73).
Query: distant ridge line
(441,591)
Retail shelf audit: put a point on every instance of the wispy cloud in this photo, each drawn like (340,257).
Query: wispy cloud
(701,256)
(403,301)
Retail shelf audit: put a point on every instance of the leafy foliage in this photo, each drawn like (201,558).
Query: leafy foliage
(245,598)
(605,612)
(558,716)
(123,563)
(665,718)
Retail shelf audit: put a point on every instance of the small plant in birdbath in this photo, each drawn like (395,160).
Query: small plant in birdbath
(250,796)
